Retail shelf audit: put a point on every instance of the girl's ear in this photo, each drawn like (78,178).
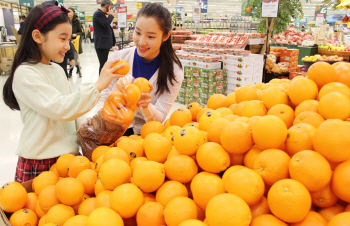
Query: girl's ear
(37,36)
(166,36)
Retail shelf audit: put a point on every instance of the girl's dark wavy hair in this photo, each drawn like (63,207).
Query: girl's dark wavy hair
(167,53)
(28,50)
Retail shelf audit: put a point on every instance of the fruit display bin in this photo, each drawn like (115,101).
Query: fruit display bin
(345,55)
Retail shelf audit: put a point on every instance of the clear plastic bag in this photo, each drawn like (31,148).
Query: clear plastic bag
(111,122)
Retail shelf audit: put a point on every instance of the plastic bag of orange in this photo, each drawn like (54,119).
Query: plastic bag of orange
(111,122)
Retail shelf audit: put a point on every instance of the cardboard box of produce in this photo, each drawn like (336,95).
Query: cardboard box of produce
(233,58)
(257,58)
(188,71)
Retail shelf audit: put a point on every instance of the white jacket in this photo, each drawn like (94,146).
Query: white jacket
(160,104)
(50,111)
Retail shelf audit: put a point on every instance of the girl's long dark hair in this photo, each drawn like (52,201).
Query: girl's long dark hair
(28,50)
(167,53)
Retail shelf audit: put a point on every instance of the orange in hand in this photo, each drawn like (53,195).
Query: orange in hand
(143,84)
(124,70)
(132,94)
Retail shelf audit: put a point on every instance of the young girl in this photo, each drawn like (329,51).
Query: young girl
(154,59)
(50,111)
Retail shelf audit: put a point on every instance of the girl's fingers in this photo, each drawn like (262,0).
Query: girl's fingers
(113,69)
(110,63)
(144,103)
(145,96)
(151,86)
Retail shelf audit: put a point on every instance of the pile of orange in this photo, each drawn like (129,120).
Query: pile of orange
(268,154)
(121,104)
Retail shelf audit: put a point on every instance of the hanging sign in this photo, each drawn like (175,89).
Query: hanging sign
(196,13)
(319,19)
(122,17)
(269,8)
(204,5)
(81,16)
(29,3)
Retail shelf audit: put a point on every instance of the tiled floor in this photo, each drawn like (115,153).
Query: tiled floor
(11,124)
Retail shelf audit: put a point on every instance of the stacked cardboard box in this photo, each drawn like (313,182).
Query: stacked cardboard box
(290,56)
(243,70)
(201,83)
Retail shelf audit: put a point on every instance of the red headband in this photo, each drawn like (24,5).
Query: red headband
(48,15)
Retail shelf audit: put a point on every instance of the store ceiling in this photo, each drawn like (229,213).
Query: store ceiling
(214,6)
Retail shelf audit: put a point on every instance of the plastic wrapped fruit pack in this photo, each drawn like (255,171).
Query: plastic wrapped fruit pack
(111,122)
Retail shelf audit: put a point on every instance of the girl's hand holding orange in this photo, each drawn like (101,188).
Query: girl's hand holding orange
(145,99)
(108,74)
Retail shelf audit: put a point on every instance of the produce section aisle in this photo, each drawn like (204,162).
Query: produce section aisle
(11,124)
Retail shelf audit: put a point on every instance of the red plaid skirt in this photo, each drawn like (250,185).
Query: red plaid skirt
(28,169)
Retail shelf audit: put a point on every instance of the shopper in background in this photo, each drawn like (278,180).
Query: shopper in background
(91,33)
(303,28)
(131,28)
(22,18)
(154,59)
(50,111)
(76,30)
(104,37)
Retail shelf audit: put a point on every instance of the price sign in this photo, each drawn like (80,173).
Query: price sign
(319,19)
(269,8)
(122,16)
(196,13)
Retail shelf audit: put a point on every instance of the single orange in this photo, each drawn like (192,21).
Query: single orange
(299,138)
(194,109)
(261,208)
(124,70)
(24,217)
(272,165)
(143,84)
(151,127)
(246,184)
(149,214)
(180,117)
(227,209)
(267,219)
(324,198)
(170,190)
(289,200)
(236,137)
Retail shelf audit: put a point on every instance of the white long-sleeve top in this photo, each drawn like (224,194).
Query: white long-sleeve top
(50,111)
(160,104)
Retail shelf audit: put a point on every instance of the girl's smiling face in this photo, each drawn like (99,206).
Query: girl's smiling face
(54,45)
(148,38)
